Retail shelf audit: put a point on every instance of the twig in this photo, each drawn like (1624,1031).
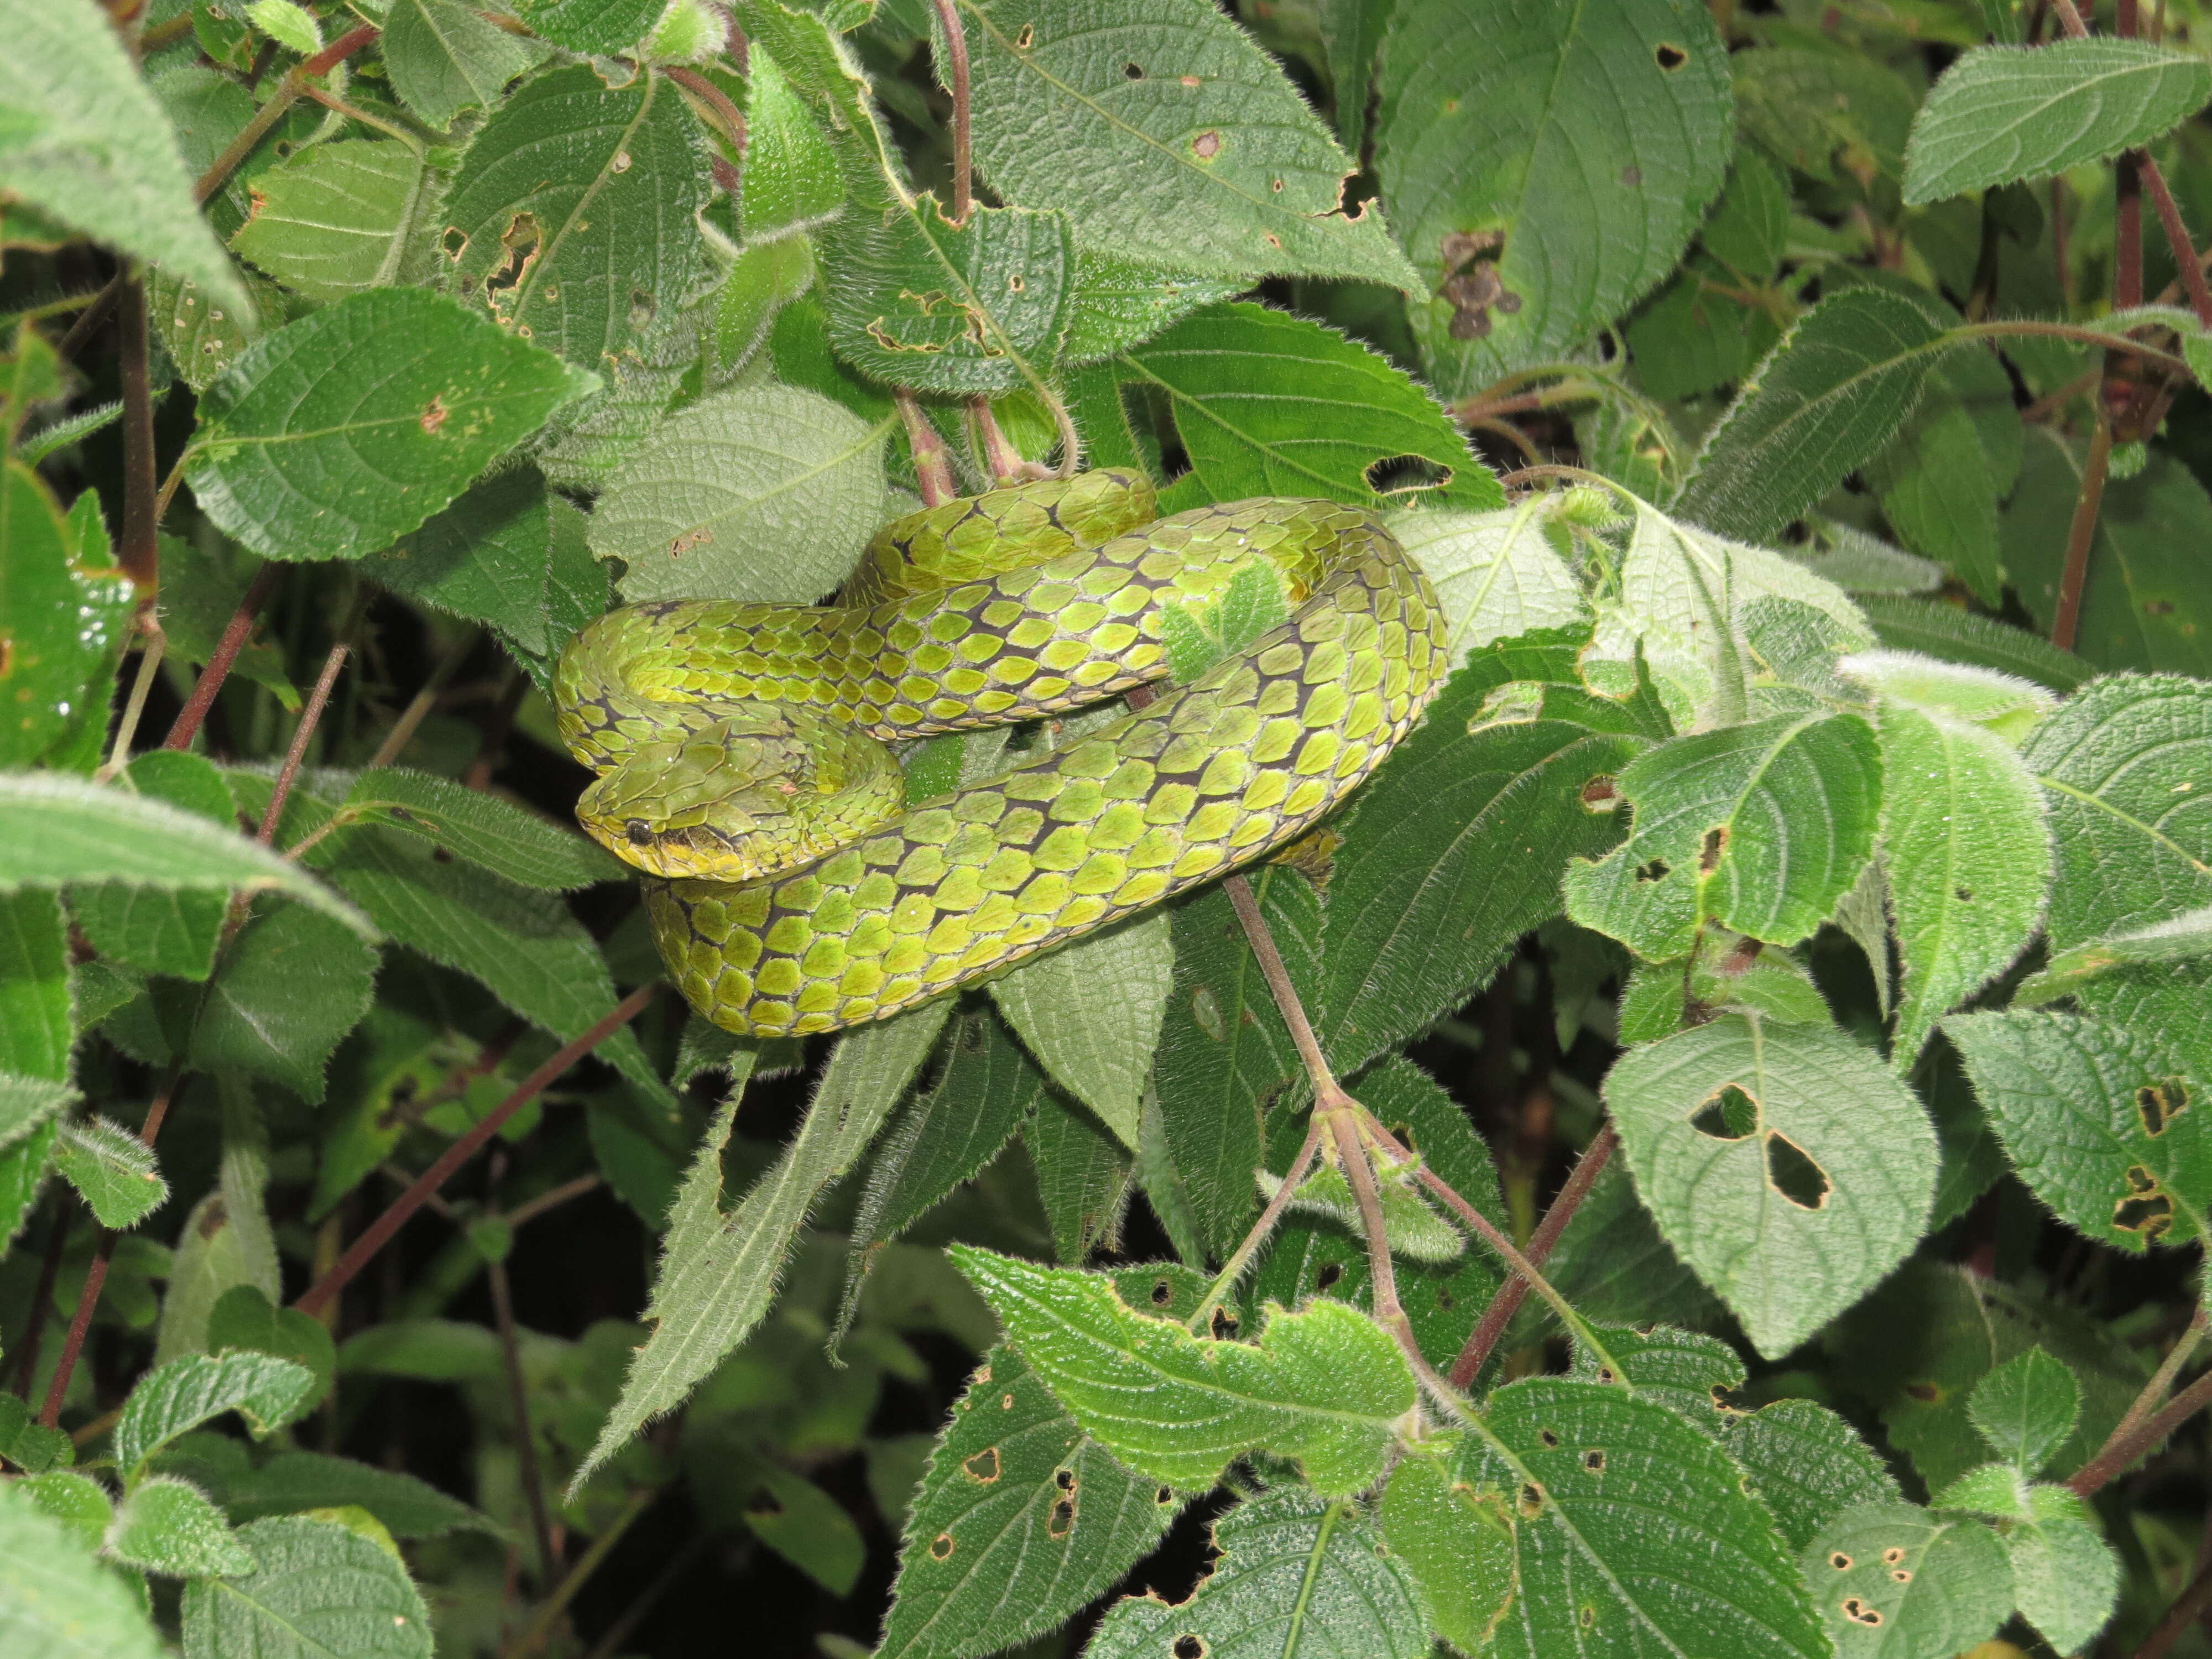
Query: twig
(1233,1269)
(50,1272)
(526,1443)
(2069,20)
(126,730)
(93,316)
(134,549)
(378,1232)
(551,1199)
(932,461)
(724,113)
(187,724)
(306,729)
(2122,1450)
(287,90)
(587,1563)
(166,34)
(2192,1601)
(1327,1092)
(2079,385)
(2082,534)
(2176,237)
(956,53)
(1004,461)
(2163,1379)
(1510,1295)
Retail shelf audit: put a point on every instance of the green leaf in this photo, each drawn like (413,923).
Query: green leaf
(1459,1545)
(1020,1521)
(159,929)
(1233,176)
(57,830)
(1942,478)
(1792,1216)
(87,144)
(1271,404)
(1937,629)
(244,1317)
(1083,1174)
(56,1601)
(1497,575)
(292,983)
(1807,1464)
(444,57)
(2005,704)
(766,492)
(317,1588)
(27,1102)
(111,1170)
(1760,829)
(1325,1386)
(1841,118)
(2091,1114)
(792,180)
(592,26)
(77,1501)
(1118,302)
(2122,763)
(1748,229)
(2184,938)
(2027,1408)
(199,596)
(1091,1013)
(1892,1581)
(203,334)
(65,609)
(1545,168)
(575,208)
(296,1480)
(504,839)
(1609,1494)
(226,1243)
(2004,113)
(2065,1577)
(1296,1578)
(1967,855)
(330,437)
(178,1397)
(717,1273)
(337,219)
(1826,400)
(168,1526)
(34,986)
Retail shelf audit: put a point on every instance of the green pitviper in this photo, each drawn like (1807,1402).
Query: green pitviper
(744,762)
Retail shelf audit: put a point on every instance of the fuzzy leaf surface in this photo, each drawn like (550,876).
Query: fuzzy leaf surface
(317,1588)
(112,1170)
(178,1397)
(57,1601)
(1894,1581)
(169,1527)
(336,218)
(1091,1014)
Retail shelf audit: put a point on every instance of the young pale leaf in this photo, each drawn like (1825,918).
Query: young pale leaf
(57,1601)
(1794,1204)
(1459,1543)
(576,206)
(2185,938)
(1968,856)
(1325,1387)
(1760,829)
(1534,219)
(1206,158)
(1843,380)
(331,437)
(508,842)
(336,218)
(89,146)
(1608,1494)
(1337,414)
(2027,1408)
(2000,114)
(57,830)
(767,492)
(1020,1521)
(2006,704)
(168,1526)
(317,1588)
(445,56)
(1893,1581)
(718,1272)
(78,1501)
(1497,575)
(295,1481)
(1091,1014)
(178,1397)
(1118,302)
(243,1316)
(2123,763)
(592,26)
(2065,1577)
(112,1170)
(2095,1121)
(1296,1578)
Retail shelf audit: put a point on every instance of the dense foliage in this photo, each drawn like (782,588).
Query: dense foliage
(1707,1154)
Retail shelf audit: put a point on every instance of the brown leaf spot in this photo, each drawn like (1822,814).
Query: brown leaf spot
(1708,853)
(1026,39)
(1839,1561)
(1549,1438)
(1860,1613)
(1191,81)
(1530,1502)
(434,415)
(1593,1461)
(1207,145)
(2159,1104)
(1600,794)
(1671,57)
(1062,1519)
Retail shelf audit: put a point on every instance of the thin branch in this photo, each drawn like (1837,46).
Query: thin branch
(135,551)
(2163,1379)
(2079,386)
(526,1442)
(1233,1269)
(1327,1092)
(2070,20)
(309,717)
(403,729)
(541,1627)
(2082,534)
(241,624)
(380,1232)
(50,1272)
(932,461)
(2176,238)
(287,91)
(719,108)
(2192,1601)
(2122,1450)
(93,316)
(1507,1303)
(617,1639)
(956,53)
(134,708)
(1004,461)
(551,1199)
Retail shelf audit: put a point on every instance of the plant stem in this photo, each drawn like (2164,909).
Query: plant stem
(2082,534)
(134,707)
(287,91)
(2176,238)
(1510,1295)
(551,1199)
(134,549)
(309,718)
(189,717)
(588,1563)
(50,1271)
(403,730)
(1233,1269)
(2192,1601)
(956,54)
(617,1639)
(526,1442)
(2122,1449)
(380,1232)
(2163,1379)
(1327,1092)
(932,461)
(724,113)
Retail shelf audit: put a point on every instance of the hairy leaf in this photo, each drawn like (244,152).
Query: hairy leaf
(1083,1174)
(1091,1014)
(444,57)
(1497,575)
(1459,1543)
(168,1526)
(64,607)
(111,1170)
(317,1588)
(469,824)
(163,930)
(337,218)
(56,1601)
(296,1480)
(2185,938)
(2027,1408)
(1937,629)
(292,983)
(1807,1464)
(1893,1581)
(175,1398)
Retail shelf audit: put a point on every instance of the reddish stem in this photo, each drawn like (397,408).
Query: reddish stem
(2082,536)
(956,53)
(1507,1303)
(135,551)
(50,1271)
(226,652)
(2124,1447)
(308,719)
(2176,238)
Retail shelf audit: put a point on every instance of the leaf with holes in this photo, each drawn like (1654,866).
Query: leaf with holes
(1173,138)
(332,436)
(1893,1581)
(1807,1464)
(1545,167)
(317,1587)
(2027,1408)
(338,218)
(1759,829)
(1459,1543)
(1297,1578)
(2000,114)
(1784,1163)
(2123,763)
(1609,1493)
(1325,1387)
(2096,1120)
(1020,1521)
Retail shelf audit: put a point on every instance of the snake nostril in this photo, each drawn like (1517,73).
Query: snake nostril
(639,831)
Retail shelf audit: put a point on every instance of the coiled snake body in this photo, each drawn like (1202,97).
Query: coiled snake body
(742,746)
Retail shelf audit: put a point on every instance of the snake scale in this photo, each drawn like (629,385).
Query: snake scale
(744,764)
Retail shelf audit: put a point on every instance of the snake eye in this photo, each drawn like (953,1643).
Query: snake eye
(640,833)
